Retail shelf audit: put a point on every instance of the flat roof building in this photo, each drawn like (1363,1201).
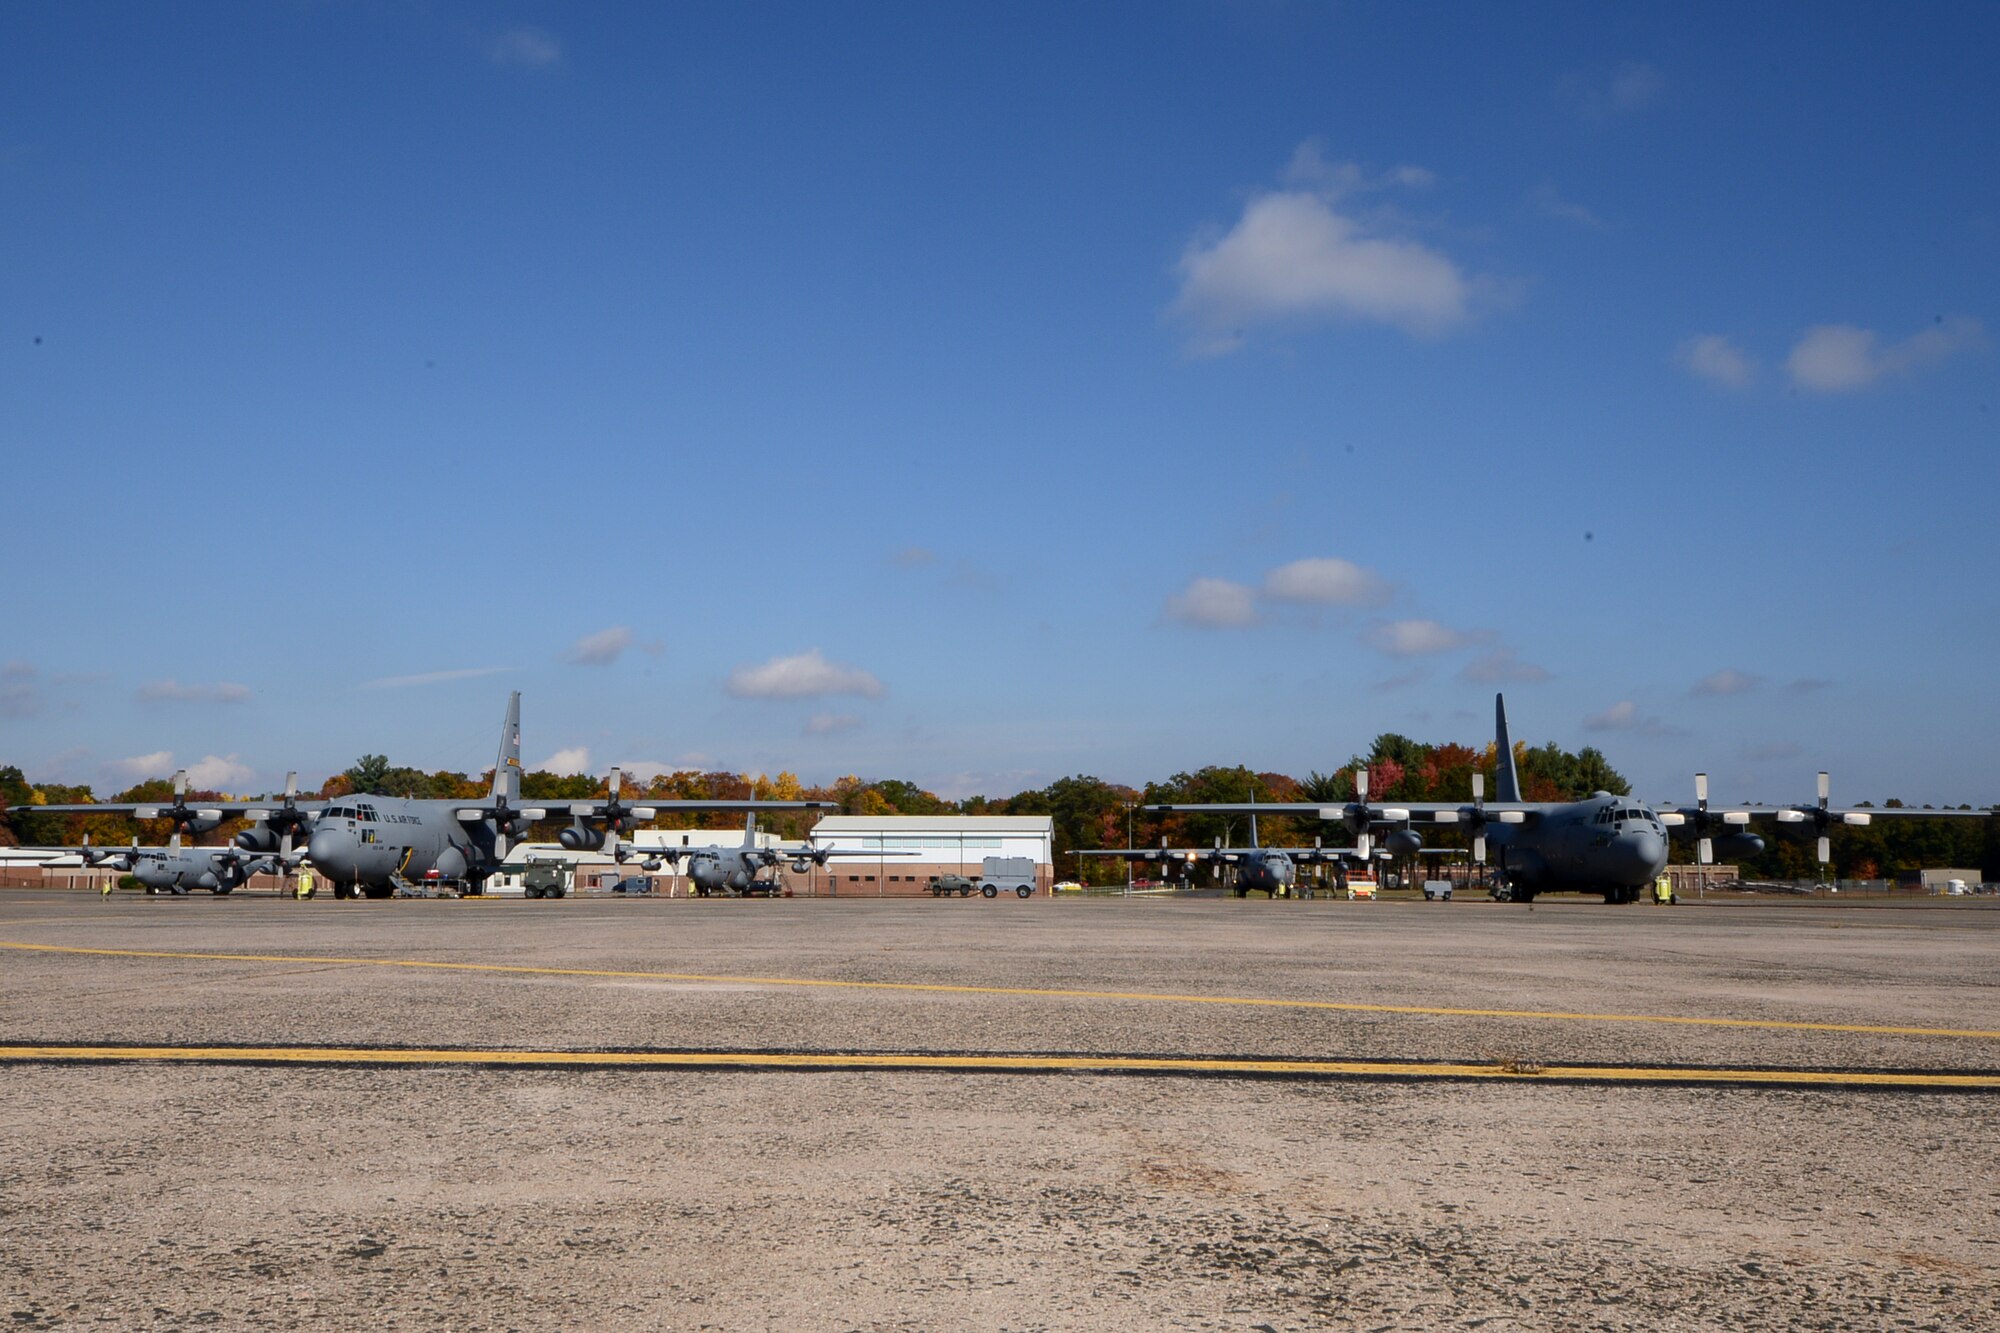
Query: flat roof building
(929,845)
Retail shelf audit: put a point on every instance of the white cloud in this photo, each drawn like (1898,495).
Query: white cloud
(1502,665)
(1325,581)
(1615,718)
(172,691)
(1633,86)
(432,677)
(141,766)
(1838,358)
(1625,716)
(602,648)
(1549,202)
(20,694)
(643,771)
(1727,681)
(1293,257)
(1310,169)
(1214,604)
(219,773)
(806,675)
(524,46)
(1419,638)
(209,773)
(830,724)
(576,759)
(1713,357)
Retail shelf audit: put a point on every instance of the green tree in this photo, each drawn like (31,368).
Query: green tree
(369,775)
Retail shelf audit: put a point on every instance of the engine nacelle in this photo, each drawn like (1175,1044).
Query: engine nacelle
(1404,842)
(258,838)
(1736,846)
(201,824)
(581,837)
(801,867)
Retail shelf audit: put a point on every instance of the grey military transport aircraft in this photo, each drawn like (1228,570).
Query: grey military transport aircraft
(1613,845)
(177,869)
(1259,869)
(372,845)
(719,868)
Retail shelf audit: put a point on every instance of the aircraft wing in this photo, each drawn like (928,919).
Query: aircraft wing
(41,856)
(1387,812)
(1721,812)
(1310,855)
(1155,853)
(483,808)
(818,853)
(158,809)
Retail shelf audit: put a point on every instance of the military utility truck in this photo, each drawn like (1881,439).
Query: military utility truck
(545,879)
(943,886)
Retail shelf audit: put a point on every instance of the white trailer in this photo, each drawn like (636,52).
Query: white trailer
(997,874)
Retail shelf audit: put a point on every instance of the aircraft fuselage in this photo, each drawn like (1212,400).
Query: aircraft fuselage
(1606,844)
(1264,872)
(366,841)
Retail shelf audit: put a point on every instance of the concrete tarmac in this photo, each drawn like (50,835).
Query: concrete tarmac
(705,1169)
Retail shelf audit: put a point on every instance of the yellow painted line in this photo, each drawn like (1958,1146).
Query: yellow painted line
(940,988)
(1103,1064)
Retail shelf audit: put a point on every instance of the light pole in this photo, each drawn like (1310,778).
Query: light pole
(1128,847)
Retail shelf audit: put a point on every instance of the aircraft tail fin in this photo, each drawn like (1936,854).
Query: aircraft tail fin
(1507,779)
(1253,818)
(750,829)
(507,768)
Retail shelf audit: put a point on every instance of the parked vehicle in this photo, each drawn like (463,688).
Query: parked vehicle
(997,874)
(1437,890)
(943,886)
(545,879)
(633,884)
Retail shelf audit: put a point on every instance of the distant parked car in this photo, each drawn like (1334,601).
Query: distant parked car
(633,884)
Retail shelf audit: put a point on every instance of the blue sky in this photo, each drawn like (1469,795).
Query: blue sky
(984,395)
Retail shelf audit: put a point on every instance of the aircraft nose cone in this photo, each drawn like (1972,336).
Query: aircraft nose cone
(1642,854)
(329,851)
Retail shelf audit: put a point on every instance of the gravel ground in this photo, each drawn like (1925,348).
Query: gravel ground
(170,1196)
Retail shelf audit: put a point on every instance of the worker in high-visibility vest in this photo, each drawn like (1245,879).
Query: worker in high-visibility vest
(306,887)
(1663,891)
